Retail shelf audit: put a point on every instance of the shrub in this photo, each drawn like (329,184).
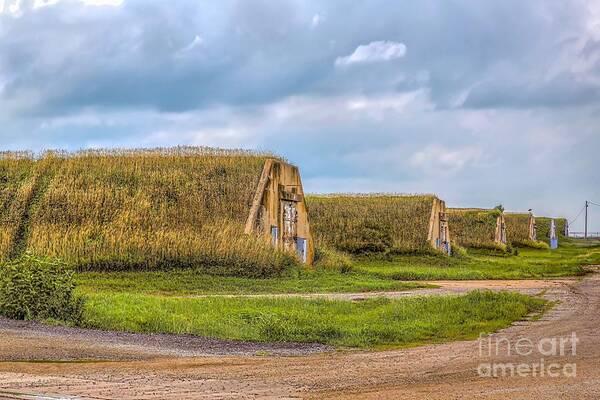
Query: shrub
(458,251)
(40,289)
(511,250)
(536,244)
(330,259)
(371,239)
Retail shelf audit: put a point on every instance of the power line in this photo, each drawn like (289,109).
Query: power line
(578,215)
(591,202)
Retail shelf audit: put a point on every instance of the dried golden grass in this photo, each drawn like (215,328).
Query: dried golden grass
(517,228)
(474,228)
(16,186)
(132,209)
(358,223)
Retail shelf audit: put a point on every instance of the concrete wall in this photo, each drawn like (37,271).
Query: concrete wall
(437,220)
(280,185)
(500,235)
(532,228)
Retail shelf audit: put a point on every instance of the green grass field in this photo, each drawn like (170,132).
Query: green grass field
(366,324)
(567,260)
(164,302)
(191,282)
(367,275)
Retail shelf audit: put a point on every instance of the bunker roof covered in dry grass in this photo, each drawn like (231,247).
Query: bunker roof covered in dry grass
(517,227)
(114,208)
(474,227)
(357,223)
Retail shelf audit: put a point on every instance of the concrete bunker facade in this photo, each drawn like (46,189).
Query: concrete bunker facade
(439,230)
(279,212)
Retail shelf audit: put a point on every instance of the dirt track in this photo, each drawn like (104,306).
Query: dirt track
(532,286)
(436,371)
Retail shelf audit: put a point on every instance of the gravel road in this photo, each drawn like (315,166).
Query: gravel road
(146,368)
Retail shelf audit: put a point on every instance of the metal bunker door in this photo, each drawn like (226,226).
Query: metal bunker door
(290,224)
(289,218)
(553,236)
(444,244)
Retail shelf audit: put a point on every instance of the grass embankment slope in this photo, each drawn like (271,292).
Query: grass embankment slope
(567,260)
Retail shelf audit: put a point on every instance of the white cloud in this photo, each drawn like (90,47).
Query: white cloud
(43,3)
(418,100)
(15,8)
(354,185)
(378,51)
(317,20)
(11,7)
(112,3)
(269,85)
(193,44)
(437,159)
(228,137)
(593,20)
(325,110)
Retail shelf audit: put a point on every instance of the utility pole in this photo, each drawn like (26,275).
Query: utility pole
(586,218)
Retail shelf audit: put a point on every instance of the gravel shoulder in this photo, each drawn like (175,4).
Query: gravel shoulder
(27,340)
(137,367)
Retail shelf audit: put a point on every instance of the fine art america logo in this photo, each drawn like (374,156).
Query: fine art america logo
(546,357)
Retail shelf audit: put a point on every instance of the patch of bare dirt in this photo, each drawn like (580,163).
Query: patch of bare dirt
(445,371)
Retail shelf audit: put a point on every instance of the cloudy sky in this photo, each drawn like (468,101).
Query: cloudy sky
(480,102)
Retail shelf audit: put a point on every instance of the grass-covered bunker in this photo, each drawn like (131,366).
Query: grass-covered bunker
(478,228)
(362,223)
(521,228)
(543,225)
(180,207)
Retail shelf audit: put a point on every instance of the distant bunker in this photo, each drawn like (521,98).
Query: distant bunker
(367,223)
(478,227)
(521,228)
(231,210)
(544,231)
